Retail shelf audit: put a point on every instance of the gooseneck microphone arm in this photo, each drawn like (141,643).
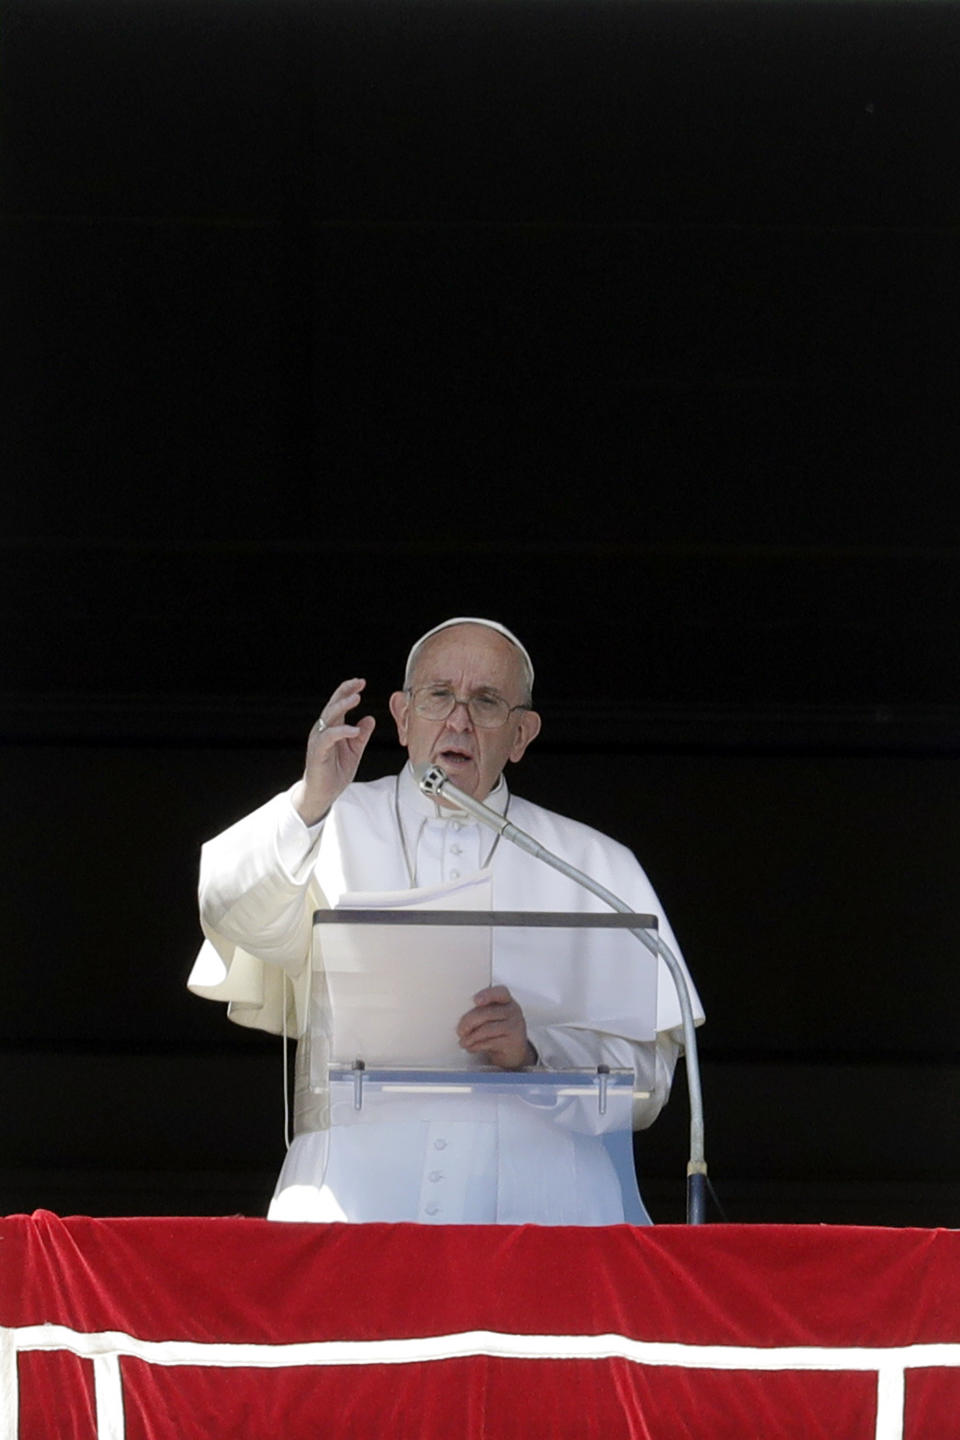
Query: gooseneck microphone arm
(433,781)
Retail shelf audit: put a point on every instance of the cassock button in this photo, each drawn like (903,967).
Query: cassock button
(432,1209)
(454,874)
(456,849)
(435,1175)
(439,1144)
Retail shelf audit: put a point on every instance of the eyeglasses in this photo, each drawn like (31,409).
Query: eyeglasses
(487,711)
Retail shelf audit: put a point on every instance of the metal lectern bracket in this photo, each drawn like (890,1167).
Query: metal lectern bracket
(542,1087)
(603,1072)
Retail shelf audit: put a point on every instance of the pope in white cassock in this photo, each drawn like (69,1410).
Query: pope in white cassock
(466,705)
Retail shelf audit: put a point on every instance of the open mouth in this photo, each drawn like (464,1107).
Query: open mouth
(454,758)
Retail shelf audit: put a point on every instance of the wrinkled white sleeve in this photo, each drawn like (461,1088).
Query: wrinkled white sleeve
(257,889)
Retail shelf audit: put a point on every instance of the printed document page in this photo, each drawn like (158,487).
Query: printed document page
(396,992)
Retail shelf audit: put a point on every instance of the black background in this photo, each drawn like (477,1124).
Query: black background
(633,325)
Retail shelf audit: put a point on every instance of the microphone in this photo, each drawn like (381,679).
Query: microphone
(433,781)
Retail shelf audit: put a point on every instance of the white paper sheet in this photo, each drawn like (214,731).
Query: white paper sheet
(396,992)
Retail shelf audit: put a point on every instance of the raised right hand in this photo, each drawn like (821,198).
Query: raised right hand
(334,749)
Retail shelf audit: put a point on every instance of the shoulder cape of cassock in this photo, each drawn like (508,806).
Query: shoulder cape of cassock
(265,986)
(359,850)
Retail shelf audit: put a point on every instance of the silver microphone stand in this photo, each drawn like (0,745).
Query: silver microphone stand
(433,782)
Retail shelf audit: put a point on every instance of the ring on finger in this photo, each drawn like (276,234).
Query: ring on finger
(320,726)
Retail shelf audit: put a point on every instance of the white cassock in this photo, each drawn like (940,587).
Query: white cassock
(440,1161)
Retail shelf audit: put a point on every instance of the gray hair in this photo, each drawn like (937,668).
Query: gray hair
(526,663)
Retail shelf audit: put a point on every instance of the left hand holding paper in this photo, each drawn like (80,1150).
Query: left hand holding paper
(496,1027)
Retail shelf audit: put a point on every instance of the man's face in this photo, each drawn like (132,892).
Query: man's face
(469,660)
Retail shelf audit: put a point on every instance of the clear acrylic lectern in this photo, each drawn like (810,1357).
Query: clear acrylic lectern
(389,986)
